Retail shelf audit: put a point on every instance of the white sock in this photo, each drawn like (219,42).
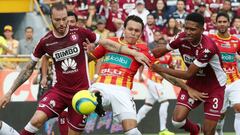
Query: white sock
(163,115)
(7,130)
(133,131)
(219,127)
(142,112)
(237,123)
(30,128)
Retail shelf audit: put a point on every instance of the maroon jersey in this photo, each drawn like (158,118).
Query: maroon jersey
(69,57)
(206,56)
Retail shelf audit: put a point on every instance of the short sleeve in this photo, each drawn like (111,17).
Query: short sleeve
(99,52)
(176,41)
(38,51)
(91,36)
(238,47)
(203,57)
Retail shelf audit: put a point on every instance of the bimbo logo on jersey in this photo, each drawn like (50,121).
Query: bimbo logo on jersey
(118,59)
(66,52)
(188,59)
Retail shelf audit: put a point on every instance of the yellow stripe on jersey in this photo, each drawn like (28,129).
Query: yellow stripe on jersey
(119,81)
(108,79)
(129,83)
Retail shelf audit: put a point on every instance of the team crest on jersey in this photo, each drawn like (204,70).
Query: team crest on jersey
(65,53)
(74,37)
(52,104)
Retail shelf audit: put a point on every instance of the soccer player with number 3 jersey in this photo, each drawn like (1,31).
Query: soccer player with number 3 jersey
(229,47)
(204,73)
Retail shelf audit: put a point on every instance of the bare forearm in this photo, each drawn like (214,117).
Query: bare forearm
(174,81)
(23,76)
(44,66)
(116,47)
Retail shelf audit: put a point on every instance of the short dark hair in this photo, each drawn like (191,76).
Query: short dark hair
(196,17)
(135,19)
(57,6)
(70,13)
(224,14)
(28,27)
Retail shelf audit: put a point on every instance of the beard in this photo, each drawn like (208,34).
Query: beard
(57,29)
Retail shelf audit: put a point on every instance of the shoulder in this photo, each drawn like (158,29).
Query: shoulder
(48,36)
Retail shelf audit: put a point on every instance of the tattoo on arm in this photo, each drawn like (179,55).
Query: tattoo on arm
(174,81)
(23,75)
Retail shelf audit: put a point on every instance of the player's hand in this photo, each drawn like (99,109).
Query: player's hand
(5,100)
(141,58)
(141,78)
(43,82)
(196,95)
(88,46)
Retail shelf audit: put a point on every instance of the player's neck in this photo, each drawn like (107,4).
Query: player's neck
(196,42)
(224,35)
(59,35)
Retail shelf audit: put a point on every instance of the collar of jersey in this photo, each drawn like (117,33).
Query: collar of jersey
(224,38)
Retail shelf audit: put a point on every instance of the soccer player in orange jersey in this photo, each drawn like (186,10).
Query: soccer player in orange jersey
(229,46)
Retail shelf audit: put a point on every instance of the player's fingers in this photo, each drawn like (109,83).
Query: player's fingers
(88,41)
(4,104)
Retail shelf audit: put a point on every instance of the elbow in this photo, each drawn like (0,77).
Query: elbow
(188,76)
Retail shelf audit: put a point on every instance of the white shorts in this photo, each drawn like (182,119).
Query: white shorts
(118,98)
(232,95)
(156,92)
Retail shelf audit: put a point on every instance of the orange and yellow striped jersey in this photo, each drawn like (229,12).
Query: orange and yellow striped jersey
(165,60)
(117,68)
(228,48)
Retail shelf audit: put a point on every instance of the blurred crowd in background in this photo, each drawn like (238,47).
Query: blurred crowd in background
(163,19)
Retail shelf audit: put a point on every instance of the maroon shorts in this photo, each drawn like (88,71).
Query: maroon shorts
(212,105)
(53,104)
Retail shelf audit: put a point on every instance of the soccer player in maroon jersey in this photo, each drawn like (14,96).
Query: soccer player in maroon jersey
(229,46)
(65,45)
(204,73)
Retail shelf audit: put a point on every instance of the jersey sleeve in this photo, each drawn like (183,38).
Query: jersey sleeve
(238,47)
(99,52)
(203,57)
(38,51)
(91,36)
(176,41)
(149,54)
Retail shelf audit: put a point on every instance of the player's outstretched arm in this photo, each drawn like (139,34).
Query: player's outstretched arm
(196,95)
(116,47)
(191,71)
(21,78)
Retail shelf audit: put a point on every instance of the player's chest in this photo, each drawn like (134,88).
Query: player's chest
(227,46)
(189,53)
(65,49)
(119,60)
